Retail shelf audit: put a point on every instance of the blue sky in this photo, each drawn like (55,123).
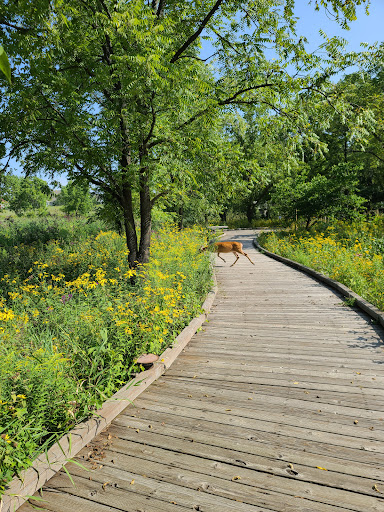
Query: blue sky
(368,29)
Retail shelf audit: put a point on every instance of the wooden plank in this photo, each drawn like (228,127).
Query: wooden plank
(141,427)
(283,365)
(248,406)
(232,354)
(285,400)
(220,419)
(177,452)
(148,493)
(247,485)
(353,393)
(190,369)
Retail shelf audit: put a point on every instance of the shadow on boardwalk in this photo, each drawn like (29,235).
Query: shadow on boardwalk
(276,405)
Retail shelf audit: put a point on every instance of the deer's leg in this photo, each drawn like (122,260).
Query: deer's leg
(221,257)
(237,257)
(246,255)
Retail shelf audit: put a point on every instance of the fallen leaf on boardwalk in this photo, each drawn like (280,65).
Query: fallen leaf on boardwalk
(205,395)
(228,409)
(358,373)
(137,430)
(236,478)
(306,392)
(189,396)
(318,467)
(290,465)
(296,382)
(105,485)
(370,428)
(356,422)
(149,426)
(132,482)
(173,502)
(375,488)
(194,377)
(250,398)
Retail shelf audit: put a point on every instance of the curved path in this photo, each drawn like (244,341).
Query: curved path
(277,404)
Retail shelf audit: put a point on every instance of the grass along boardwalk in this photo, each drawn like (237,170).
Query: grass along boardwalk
(277,404)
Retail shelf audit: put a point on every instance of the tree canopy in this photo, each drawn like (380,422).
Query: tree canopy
(117,92)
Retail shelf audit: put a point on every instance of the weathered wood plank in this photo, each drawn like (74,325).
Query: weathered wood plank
(252,404)
(178,453)
(249,486)
(246,441)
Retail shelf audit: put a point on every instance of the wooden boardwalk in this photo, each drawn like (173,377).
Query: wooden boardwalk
(277,404)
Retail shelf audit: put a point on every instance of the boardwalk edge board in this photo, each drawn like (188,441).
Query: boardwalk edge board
(364,305)
(19,490)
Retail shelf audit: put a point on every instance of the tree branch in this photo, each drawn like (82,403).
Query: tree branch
(194,36)
(157,196)
(24,30)
(226,41)
(369,152)
(160,8)
(197,58)
(242,91)
(105,8)
(153,123)
(228,101)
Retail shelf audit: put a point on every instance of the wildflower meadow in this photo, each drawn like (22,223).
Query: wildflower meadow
(351,253)
(73,319)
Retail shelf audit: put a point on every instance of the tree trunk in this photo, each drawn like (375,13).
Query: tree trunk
(250,211)
(181,217)
(145,217)
(129,225)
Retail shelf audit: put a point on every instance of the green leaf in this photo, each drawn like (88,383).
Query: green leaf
(4,65)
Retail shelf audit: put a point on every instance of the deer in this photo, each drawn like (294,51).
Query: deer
(223,247)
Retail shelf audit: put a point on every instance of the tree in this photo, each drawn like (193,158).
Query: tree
(29,195)
(335,194)
(116,92)
(76,198)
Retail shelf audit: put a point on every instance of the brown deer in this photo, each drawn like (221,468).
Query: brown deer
(235,247)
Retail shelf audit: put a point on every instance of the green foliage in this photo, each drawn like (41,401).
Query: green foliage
(5,68)
(331,195)
(73,319)
(116,93)
(345,251)
(29,195)
(76,198)
(22,241)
